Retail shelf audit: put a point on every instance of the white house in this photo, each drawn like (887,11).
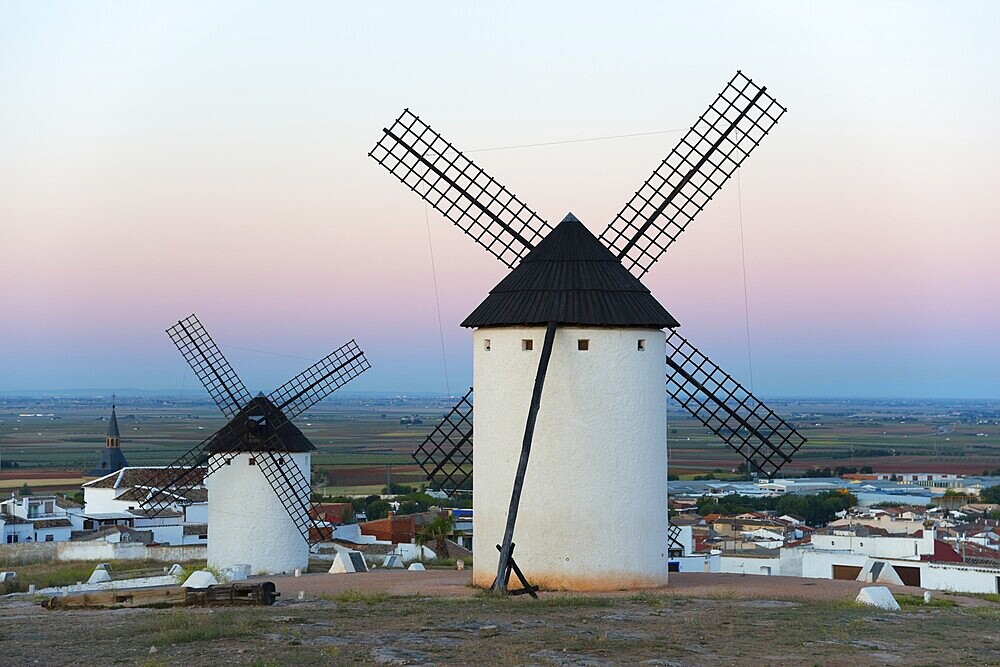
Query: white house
(918,560)
(49,521)
(116,499)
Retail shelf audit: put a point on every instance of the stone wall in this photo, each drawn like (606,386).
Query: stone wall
(25,553)
(96,550)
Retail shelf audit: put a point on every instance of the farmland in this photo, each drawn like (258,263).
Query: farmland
(361,438)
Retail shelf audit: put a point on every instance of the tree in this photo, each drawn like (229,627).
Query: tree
(438,530)
(990,495)
(26,490)
(398,489)
(377,509)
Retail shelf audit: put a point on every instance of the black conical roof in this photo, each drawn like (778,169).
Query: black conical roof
(113,425)
(252,428)
(570,277)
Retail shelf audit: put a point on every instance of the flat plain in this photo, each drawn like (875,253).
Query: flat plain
(360,437)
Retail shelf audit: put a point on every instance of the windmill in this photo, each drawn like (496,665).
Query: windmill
(600,424)
(257,466)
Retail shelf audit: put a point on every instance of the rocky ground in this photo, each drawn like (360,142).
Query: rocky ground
(700,620)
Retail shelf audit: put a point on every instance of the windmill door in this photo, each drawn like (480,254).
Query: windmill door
(909,575)
(846,572)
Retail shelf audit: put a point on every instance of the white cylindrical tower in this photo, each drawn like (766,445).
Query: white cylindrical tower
(593,511)
(593,507)
(247,522)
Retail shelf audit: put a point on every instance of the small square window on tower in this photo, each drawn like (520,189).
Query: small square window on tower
(641,345)
(252,461)
(527,344)
(486,344)
(583,344)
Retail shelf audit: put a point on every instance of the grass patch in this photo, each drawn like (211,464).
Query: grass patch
(187,627)
(986,612)
(989,597)
(649,599)
(918,601)
(571,601)
(367,597)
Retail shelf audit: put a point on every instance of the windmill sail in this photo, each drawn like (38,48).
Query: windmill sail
(290,485)
(453,184)
(261,424)
(446,455)
(714,398)
(691,175)
(320,380)
(210,365)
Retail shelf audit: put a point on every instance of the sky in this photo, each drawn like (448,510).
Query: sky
(159,159)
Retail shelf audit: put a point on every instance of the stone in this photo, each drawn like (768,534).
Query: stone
(390,655)
(393,560)
(99,576)
(175,570)
(879,597)
(417,567)
(348,561)
(153,649)
(489,631)
(235,572)
(927,597)
(200,579)
(7,575)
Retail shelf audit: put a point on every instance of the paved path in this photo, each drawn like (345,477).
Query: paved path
(454,583)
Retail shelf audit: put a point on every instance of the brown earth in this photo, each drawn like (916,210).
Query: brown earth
(23,473)
(437,619)
(365,475)
(454,583)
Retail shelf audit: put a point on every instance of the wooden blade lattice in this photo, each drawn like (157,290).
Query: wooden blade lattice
(453,184)
(291,487)
(320,380)
(687,179)
(446,455)
(714,398)
(210,365)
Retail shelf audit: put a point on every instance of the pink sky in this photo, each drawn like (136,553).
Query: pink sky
(158,161)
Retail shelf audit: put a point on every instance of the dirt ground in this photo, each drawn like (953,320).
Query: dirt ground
(434,617)
(451,583)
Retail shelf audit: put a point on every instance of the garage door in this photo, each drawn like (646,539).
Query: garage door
(846,572)
(909,575)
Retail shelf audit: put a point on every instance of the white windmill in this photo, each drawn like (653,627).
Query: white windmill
(257,467)
(569,364)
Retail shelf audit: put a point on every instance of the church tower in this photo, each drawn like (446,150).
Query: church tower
(112,458)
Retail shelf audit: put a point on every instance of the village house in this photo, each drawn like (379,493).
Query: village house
(116,500)
(39,518)
(921,559)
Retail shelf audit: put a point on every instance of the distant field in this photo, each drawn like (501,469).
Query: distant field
(358,438)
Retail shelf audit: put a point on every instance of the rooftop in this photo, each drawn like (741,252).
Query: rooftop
(570,277)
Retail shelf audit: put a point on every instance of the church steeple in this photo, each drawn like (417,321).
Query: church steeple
(112,458)
(113,437)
